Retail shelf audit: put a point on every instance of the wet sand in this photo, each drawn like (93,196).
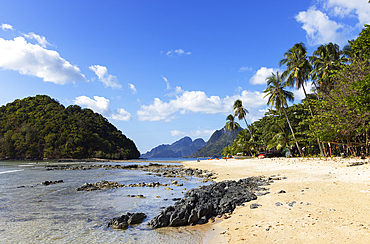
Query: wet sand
(325,201)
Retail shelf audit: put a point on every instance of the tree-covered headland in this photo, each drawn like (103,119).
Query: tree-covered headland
(333,120)
(40,127)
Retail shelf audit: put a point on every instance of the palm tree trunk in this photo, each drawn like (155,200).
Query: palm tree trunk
(249,129)
(309,106)
(291,129)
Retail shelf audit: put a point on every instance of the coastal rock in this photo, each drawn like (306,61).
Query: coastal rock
(125,220)
(201,204)
(46,183)
(99,185)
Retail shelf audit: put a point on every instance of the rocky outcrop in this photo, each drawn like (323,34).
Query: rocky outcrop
(99,185)
(108,184)
(203,203)
(49,182)
(125,220)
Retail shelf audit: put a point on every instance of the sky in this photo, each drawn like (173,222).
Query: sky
(161,70)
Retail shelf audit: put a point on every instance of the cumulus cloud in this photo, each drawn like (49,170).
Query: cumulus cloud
(40,39)
(259,78)
(34,60)
(133,88)
(319,28)
(178,52)
(299,94)
(107,79)
(6,27)
(197,102)
(245,68)
(326,21)
(196,133)
(353,9)
(102,105)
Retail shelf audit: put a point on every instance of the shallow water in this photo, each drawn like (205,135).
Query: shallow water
(34,213)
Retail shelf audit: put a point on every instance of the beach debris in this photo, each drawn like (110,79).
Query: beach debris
(254,205)
(356,164)
(278,204)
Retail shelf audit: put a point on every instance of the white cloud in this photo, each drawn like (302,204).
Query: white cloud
(122,115)
(167,82)
(102,105)
(353,9)
(299,94)
(328,23)
(40,39)
(319,28)
(132,87)
(178,52)
(197,102)
(259,78)
(32,59)
(6,27)
(107,79)
(245,68)
(196,133)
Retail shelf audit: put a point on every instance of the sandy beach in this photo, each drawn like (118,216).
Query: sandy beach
(316,201)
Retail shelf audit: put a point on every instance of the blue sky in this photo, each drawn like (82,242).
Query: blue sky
(162,70)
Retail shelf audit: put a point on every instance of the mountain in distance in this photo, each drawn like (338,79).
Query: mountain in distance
(181,148)
(218,141)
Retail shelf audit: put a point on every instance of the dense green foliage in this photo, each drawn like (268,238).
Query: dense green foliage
(334,119)
(40,127)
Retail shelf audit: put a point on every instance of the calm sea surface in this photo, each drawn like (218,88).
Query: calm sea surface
(59,214)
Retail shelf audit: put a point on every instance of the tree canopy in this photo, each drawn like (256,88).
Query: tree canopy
(41,127)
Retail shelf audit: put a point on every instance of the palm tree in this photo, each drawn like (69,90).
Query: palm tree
(240,112)
(327,57)
(298,71)
(278,97)
(281,139)
(231,124)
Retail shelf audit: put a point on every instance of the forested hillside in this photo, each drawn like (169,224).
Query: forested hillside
(41,127)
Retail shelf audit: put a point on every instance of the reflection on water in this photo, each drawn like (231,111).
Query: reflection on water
(34,213)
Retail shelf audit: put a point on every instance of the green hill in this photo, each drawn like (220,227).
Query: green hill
(41,127)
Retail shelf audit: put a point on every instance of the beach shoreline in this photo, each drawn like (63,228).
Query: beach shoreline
(316,201)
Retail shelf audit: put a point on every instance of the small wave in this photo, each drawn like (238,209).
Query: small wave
(11,171)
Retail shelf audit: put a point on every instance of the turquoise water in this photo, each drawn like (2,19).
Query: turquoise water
(34,213)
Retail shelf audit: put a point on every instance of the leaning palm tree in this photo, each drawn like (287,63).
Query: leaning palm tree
(231,124)
(240,112)
(298,71)
(278,98)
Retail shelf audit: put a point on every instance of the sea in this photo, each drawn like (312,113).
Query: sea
(34,213)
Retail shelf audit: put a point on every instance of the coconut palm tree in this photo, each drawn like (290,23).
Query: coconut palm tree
(278,98)
(240,112)
(297,71)
(231,124)
(326,57)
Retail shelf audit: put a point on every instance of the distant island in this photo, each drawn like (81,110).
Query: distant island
(188,148)
(40,127)
(217,142)
(181,148)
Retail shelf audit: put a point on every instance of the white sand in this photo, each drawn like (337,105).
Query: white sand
(332,202)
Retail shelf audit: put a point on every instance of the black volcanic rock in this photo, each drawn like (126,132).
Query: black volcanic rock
(206,202)
(181,148)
